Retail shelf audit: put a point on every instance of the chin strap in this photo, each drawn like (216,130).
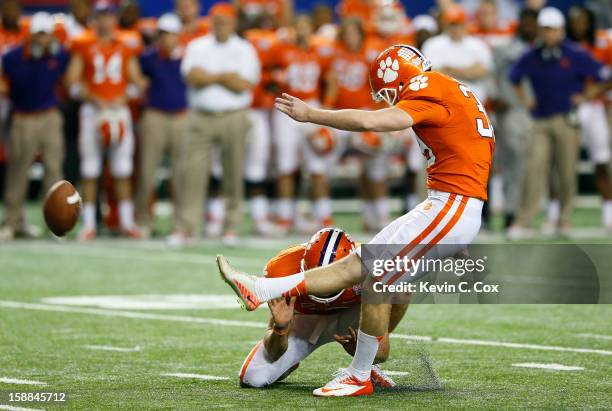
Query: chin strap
(388,95)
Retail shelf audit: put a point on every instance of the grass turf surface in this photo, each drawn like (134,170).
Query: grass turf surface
(50,346)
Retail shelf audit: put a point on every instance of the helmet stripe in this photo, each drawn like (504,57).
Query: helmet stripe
(324,250)
(335,248)
(329,249)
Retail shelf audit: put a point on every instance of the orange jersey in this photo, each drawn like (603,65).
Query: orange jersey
(104,65)
(132,39)
(10,38)
(602,49)
(288,262)
(264,42)
(299,70)
(351,71)
(453,131)
(496,37)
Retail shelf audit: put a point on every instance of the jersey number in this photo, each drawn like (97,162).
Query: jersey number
(110,70)
(483,126)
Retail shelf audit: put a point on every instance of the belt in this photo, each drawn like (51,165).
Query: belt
(218,113)
(34,112)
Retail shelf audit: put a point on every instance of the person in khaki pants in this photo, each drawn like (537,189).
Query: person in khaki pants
(32,71)
(220,70)
(558,72)
(164,125)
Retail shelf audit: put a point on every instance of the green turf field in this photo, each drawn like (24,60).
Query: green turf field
(167,312)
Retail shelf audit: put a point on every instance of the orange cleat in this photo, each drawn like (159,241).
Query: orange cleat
(345,385)
(133,233)
(243,284)
(380,379)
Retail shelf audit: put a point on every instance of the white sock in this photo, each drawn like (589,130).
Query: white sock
(553,211)
(322,208)
(367,346)
(89,216)
(216,209)
(259,208)
(286,209)
(381,207)
(412,200)
(267,289)
(369,213)
(606,213)
(126,214)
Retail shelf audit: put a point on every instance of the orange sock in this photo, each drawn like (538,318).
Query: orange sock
(297,291)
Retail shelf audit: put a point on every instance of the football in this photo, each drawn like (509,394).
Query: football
(61,208)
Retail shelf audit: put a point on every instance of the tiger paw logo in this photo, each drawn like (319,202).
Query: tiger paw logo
(387,70)
(418,82)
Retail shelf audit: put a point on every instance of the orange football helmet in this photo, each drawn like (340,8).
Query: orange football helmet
(326,246)
(393,69)
(322,141)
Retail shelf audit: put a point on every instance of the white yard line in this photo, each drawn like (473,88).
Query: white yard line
(11,408)
(7,380)
(555,367)
(195,376)
(396,373)
(111,348)
(120,254)
(130,314)
(596,336)
(462,341)
(254,324)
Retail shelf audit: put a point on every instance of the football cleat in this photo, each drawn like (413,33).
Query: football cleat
(380,379)
(243,284)
(134,233)
(87,234)
(345,385)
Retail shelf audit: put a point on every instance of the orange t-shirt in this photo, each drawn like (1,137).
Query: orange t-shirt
(453,131)
(264,42)
(351,70)
(356,8)
(302,68)
(104,65)
(202,28)
(288,262)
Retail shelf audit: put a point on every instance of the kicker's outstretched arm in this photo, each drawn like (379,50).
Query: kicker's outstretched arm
(387,119)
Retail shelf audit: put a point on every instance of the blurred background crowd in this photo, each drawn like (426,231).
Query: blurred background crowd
(139,112)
